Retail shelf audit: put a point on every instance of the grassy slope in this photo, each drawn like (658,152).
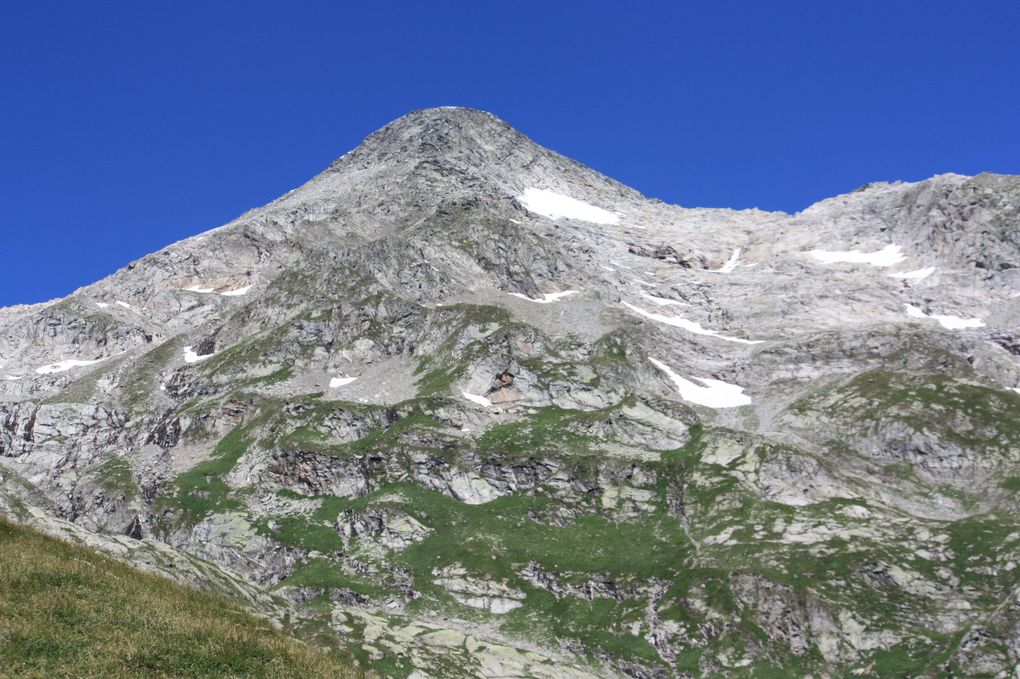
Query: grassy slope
(67,611)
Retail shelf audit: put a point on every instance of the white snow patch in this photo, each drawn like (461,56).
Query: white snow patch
(714,393)
(61,366)
(190,356)
(918,275)
(689,326)
(730,264)
(555,206)
(102,305)
(13,378)
(123,304)
(662,301)
(948,322)
(887,256)
(238,292)
(548,297)
(475,398)
(1016,389)
(340,381)
(200,289)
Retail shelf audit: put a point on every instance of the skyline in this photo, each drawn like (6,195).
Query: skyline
(129,127)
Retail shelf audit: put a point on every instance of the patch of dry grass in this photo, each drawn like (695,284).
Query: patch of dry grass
(66,611)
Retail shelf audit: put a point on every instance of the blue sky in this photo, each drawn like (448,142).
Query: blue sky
(127,126)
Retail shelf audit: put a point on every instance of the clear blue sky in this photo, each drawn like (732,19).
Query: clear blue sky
(127,126)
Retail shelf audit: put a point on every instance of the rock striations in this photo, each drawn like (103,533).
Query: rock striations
(481,411)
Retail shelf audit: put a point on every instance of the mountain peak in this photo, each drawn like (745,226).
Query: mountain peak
(438,133)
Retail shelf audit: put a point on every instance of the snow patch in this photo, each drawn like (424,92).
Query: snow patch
(238,292)
(199,289)
(556,206)
(102,305)
(730,264)
(689,326)
(1016,389)
(123,304)
(340,381)
(946,321)
(190,356)
(887,256)
(918,275)
(474,398)
(549,297)
(714,393)
(61,366)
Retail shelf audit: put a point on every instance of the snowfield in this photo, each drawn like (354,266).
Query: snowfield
(547,298)
(190,356)
(730,264)
(340,381)
(887,256)
(689,326)
(475,398)
(238,292)
(714,393)
(948,322)
(918,275)
(61,366)
(557,206)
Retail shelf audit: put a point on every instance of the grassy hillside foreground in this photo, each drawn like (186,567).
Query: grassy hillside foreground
(66,611)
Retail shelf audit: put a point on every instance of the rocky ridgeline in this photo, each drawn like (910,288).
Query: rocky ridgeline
(478,410)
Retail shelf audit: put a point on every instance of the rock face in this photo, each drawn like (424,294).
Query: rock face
(483,411)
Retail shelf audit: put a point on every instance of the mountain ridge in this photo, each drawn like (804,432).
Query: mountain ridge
(459,399)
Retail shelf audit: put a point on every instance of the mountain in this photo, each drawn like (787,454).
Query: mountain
(466,407)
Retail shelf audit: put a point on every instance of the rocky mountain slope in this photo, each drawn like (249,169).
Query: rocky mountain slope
(469,408)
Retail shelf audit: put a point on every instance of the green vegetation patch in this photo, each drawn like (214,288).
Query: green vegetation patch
(970,415)
(202,490)
(66,611)
(115,476)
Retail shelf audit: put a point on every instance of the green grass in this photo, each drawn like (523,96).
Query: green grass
(115,476)
(201,490)
(406,418)
(302,532)
(142,380)
(551,430)
(1011,483)
(967,414)
(66,611)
